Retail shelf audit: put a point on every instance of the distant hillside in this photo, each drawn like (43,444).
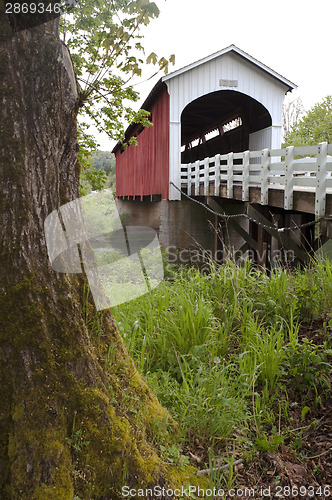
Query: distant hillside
(103,160)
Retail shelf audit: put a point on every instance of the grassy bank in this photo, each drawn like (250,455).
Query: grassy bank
(240,358)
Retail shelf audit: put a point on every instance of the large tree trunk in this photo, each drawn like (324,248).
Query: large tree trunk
(75,416)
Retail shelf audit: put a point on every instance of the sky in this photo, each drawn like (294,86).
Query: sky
(290,36)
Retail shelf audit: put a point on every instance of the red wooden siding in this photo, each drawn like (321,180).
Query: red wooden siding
(144,169)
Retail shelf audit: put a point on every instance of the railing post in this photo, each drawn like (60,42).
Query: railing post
(265,168)
(197,178)
(289,178)
(321,179)
(217,177)
(245,176)
(230,175)
(206,176)
(189,167)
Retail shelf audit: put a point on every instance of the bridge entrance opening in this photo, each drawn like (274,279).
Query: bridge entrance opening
(220,122)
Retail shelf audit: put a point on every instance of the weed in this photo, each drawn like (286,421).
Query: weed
(172,454)
(221,477)
(76,441)
(125,474)
(216,477)
(309,367)
(269,444)
(230,477)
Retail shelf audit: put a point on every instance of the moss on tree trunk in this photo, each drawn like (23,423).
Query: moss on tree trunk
(76,418)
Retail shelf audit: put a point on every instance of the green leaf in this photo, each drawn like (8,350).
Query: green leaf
(152,58)
(304,411)
(163,64)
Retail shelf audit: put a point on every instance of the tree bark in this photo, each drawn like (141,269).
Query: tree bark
(75,416)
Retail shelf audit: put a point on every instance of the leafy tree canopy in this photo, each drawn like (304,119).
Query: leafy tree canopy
(104,38)
(314,127)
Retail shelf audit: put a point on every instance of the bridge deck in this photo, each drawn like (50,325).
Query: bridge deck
(280,178)
(303,197)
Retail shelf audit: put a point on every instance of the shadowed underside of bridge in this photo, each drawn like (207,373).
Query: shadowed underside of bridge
(267,234)
(191,232)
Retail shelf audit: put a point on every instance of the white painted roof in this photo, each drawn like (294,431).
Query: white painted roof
(243,54)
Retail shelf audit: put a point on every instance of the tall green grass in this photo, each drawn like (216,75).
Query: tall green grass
(223,350)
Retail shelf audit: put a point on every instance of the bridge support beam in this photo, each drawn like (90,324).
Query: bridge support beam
(262,235)
(284,241)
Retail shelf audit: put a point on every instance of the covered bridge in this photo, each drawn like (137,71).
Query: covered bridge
(226,103)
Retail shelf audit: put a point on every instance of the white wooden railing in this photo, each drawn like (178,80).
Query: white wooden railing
(266,170)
